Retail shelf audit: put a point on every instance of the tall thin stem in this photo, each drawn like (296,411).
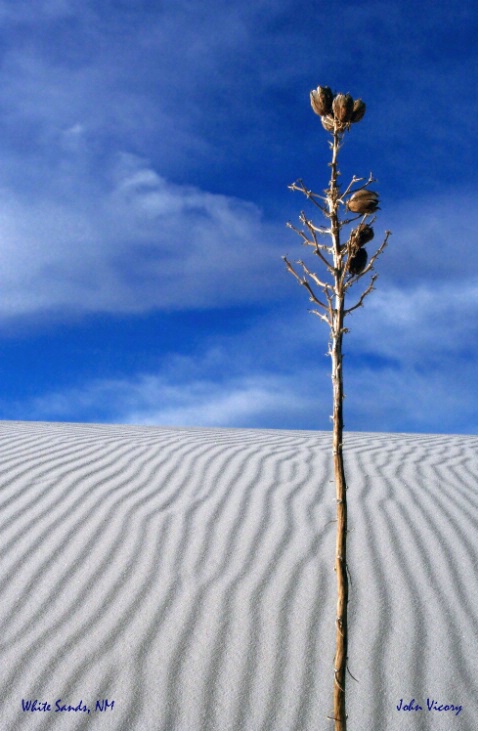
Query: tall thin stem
(338,112)
(337,331)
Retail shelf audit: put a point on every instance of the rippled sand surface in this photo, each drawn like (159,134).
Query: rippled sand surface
(187,576)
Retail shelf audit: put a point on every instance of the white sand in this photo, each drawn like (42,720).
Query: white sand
(187,575)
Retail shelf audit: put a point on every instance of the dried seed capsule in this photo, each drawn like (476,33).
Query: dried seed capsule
(358,262)
(363,201)
(342,107)
(321,100)
(358,110)
(328,122)
(362,234)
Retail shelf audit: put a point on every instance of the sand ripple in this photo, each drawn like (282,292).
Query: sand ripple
(187,574)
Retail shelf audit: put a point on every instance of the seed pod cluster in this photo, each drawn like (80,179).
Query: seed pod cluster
(358,262)
(363,201)
(321,100)
(337,111)
(361,235)
(358,256)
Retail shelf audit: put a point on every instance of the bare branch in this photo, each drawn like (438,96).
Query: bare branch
(376,255)
(380,249)
(369,289)
(313,297)
(291,269)
(369,266)
(352,182)
(300,186)
(305,283)
(303,219)
(322,317)
(313,276)
(346,221)
(300,233)
(306,241)
(370,180)
(317,247)
(310,195)
(319,229)
(314,230)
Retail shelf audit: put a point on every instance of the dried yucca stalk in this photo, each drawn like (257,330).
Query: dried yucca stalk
(344,265)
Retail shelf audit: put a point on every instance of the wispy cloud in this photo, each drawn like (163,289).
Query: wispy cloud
(403,372)
(245,401)
(138,243)
(386,399)
(134,241)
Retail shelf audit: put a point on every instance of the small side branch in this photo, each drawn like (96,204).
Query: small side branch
(305,240)
(322,317)
(352,676)
(314,230)
(313,276)
(305,283)
(319,229)
(315,244)
(354,180)
(310,195)
(378,252)
(369,289)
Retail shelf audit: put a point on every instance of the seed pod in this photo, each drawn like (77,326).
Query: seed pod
(328,122)
(321,100)
(358,111)
(362,234)
(358,262)
(363,201)
(342,107)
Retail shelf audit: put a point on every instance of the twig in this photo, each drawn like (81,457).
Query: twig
(315,277)
(310,195)
(304,283)
(369,289)
(322,317)
(352,676)
(352,182)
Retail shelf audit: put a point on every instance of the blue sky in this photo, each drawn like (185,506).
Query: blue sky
(145,154)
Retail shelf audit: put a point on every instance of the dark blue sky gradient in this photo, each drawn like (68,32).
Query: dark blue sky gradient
(145,154)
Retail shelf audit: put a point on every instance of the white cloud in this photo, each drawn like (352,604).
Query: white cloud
(419,324)
(245,401)
(412,398)
(132,241)
(433,238)
(138,243)
(385,399)
(276,375)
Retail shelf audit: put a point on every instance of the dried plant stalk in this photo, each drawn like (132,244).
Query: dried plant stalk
(346,265)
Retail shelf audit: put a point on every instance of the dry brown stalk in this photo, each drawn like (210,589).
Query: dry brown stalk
(347,265)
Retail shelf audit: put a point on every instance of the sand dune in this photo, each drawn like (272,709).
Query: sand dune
(187,576)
